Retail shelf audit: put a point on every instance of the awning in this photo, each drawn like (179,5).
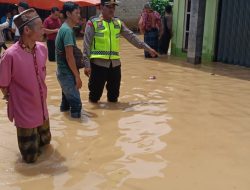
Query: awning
(48,4)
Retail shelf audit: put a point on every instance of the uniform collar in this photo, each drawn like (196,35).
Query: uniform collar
(101,18)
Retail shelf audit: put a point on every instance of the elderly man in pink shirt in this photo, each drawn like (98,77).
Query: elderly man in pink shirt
(22,81)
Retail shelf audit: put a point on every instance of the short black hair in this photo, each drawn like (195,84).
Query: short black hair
(168,9)
(23,5)
(7,12)
(69,7)
(54,9)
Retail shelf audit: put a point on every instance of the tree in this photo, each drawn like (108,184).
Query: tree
(159,5)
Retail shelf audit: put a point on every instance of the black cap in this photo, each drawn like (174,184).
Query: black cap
(109,2)
(23,5)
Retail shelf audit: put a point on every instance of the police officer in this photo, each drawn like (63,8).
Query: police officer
(101,51)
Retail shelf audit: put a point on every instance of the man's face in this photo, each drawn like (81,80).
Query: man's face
(148,10)
(14,12)
(108,11)
(8,15)
(20,9)
(56,14)
(36,32)
(75,16)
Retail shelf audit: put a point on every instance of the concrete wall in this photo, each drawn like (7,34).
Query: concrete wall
(129,11)
(209,39)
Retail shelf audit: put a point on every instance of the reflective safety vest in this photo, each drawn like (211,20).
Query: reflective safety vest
(106,42)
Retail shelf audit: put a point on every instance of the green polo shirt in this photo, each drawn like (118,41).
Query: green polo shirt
(64,38)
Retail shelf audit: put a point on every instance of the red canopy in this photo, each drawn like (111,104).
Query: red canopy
(48,4)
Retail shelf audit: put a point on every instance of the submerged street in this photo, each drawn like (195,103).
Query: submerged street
(177,126)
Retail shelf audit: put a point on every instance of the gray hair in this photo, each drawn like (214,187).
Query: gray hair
(147,6)
(30,25)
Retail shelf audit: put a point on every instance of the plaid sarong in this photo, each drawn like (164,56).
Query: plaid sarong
(30,141)
(151,38)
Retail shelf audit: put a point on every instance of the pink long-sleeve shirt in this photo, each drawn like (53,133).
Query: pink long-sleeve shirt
(27,90)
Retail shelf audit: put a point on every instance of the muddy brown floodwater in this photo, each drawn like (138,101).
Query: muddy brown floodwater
(177,127)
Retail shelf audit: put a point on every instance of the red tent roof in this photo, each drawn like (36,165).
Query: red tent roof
(48,4)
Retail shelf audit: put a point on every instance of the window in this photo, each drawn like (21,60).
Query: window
(186,24)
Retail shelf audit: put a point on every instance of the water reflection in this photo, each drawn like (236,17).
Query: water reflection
(140,139)
(50,164)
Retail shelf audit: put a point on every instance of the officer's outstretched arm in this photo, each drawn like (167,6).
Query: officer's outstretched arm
(135,40)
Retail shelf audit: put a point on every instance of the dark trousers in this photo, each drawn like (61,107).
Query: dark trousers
(2,46)
(164,43)
(51,50)
(99,77)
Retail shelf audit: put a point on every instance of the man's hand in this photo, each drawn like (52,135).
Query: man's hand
(153,53)
(87,71)
(5,94)
(78,82)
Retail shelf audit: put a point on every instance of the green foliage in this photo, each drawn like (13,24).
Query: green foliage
(159,5)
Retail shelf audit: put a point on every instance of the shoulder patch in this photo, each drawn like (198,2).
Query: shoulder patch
(90,23)
(94,18)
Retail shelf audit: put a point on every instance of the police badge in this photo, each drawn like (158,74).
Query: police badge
(100,25)
(116,24)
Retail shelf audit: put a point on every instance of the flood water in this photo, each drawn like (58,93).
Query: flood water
(177,127)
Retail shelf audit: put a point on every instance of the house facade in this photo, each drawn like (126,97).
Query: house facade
(226,30)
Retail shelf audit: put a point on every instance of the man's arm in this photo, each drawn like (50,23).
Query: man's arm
(5,93)
(5,74)
(13,26)
(87,43)
(47,30)
(4,25)
(170,24)
(72,65)
(69,43)
(141,25)
(50,31)
(162,28)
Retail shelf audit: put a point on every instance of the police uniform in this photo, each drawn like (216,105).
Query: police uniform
(102,54)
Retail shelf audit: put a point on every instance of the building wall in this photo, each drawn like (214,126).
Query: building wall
(210,28)
(178,28)
(129,11)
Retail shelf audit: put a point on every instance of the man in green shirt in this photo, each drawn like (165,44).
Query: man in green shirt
(67,72)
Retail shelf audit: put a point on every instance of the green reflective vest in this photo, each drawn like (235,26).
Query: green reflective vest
(106,42)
